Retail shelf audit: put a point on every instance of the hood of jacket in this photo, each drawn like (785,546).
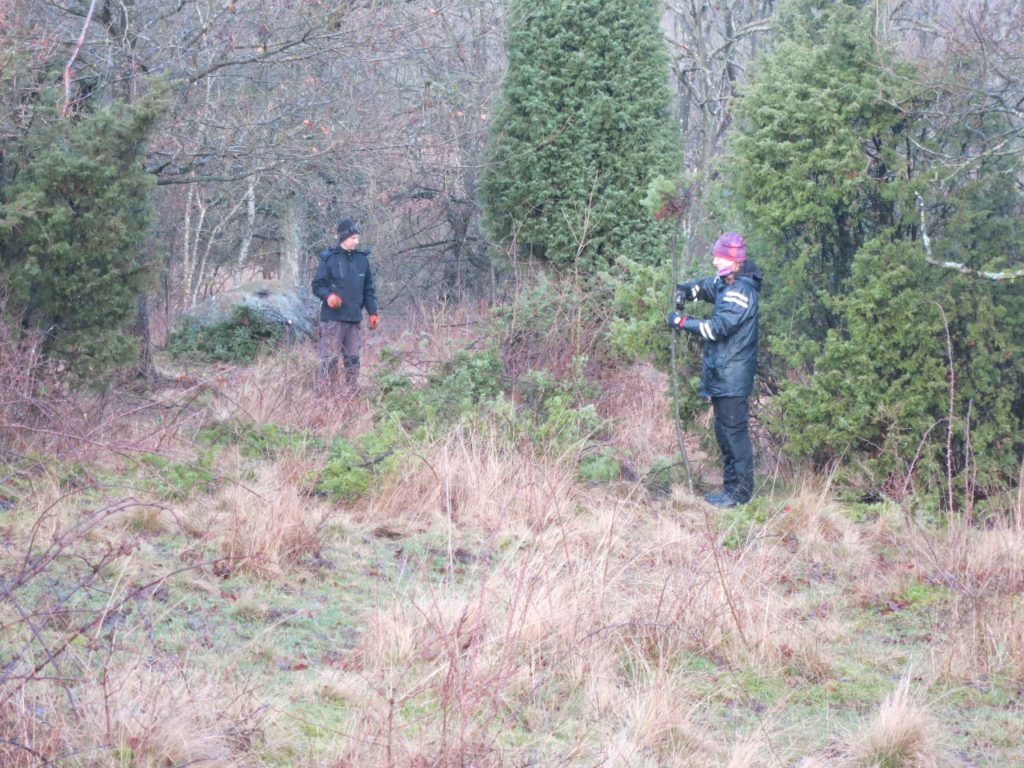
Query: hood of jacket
(749,269)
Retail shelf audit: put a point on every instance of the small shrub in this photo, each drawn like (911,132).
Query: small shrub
(352,465)
(343,479)
(456,390)
(600,467)
(664,472)
(551,413)
(241,339)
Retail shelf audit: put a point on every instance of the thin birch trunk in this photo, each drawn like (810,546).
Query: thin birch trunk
(290,272)
(250,224)
(203,260)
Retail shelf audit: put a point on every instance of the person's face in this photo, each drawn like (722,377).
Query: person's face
(724,266)
(350,243)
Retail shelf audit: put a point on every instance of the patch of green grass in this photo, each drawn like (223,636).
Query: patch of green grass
(737,523)
(180,480)
(255,441)
(766,689)
(922,594)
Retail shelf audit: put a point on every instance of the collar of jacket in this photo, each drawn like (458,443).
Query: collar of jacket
(337,249)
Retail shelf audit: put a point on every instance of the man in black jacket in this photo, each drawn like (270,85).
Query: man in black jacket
(730,357)
(344,284)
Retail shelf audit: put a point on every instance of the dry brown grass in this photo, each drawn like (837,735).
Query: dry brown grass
(475,479)
(426,649)
(32,406)
(161,713)
(726,604)
(982,634)
(659,716)
(902,734)
(281,390)
(816,761)
(42,414)
(811,522)
(26,741)
(595,624)
(635,400)
(752,752)
(983,639)
(266,527)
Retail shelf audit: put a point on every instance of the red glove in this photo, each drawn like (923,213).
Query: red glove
(374,319)
(675,321)
(333,300)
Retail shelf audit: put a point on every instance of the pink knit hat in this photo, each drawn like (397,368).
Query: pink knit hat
(730,246)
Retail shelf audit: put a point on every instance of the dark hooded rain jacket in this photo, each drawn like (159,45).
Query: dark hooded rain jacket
(348,274)
(729,334)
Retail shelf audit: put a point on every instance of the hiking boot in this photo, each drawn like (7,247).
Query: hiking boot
(724,500)
(715,498)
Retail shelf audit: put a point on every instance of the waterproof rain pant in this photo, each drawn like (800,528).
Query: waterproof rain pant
(732,416)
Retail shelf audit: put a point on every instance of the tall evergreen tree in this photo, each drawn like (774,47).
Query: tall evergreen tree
(832,148)
(582,130)
(809,163)
(74,208)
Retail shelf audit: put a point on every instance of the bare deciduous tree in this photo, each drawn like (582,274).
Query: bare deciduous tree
(711,45)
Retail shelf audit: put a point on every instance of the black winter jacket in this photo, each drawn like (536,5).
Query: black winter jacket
(348,274)
(730,333)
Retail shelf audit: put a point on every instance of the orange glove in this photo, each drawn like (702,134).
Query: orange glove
(333,300)
(374,319)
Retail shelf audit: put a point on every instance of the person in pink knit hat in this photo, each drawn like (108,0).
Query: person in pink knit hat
(730,336)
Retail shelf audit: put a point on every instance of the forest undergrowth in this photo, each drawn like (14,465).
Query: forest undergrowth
(487,556)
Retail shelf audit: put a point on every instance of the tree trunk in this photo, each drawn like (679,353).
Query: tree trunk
(140,329)
(292,226)
(250,225)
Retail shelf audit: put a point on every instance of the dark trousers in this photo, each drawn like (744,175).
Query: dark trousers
(339,340)
(732,415)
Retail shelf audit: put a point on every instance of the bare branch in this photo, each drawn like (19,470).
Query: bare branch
(71,61)
(956,265)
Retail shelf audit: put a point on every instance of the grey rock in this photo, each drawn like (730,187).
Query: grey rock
(272,300)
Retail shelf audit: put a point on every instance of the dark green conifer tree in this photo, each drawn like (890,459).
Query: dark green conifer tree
(582,129)
(861,332)
(74,208)
(809,165)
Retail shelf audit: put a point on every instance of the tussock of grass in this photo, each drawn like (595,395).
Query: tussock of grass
(345,687)
(659,717)
(811,520)
(982,633)
(475,480)
(720,603)
(815,762)
(266,529)
(902,734)
(752,752)
(982,638)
